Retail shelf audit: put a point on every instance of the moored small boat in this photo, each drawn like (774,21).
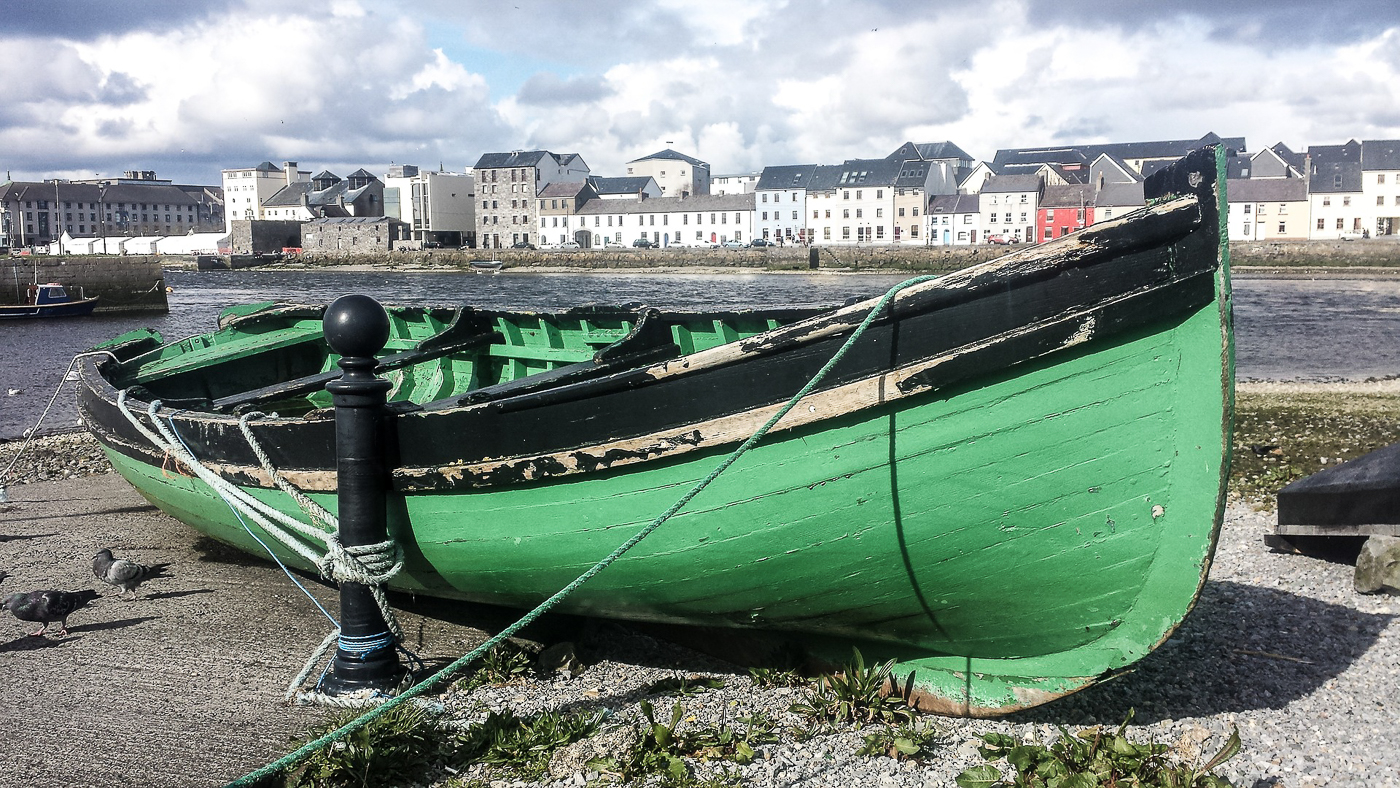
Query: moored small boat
(1011,483)
(50,299)
(485,266)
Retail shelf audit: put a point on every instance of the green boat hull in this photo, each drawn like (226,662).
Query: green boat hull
(1009,542)
(1010,515)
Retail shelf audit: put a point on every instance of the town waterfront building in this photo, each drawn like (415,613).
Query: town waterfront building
(701,221)
(1267,209)
(247,188)
(677,174)
(327,196)
(437,208)
(137,204)
(559,205)
(780,203)
(953,219)
(507,187)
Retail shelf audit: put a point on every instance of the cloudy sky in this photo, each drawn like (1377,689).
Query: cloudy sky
(187,88)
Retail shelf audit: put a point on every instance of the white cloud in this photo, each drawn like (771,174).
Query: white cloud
(741,84)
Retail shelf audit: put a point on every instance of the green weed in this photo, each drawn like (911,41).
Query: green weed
(522,744)
(662,748)
(912,741)
(1090,758)
(857,694)
(776,677)
(402,745)
(506,663)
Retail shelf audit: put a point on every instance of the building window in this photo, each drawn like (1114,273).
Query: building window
(880,231)
(765,216)
(1339,224)
(1326,200)
(879,193)
(1282,227)
(1380,200)
(846,233)
(879,212)
(859,213)
(1346,200)
(826,233)
(845,195)
(1322,224)
(1380,177)
(1248,208)
(794,216)
(901,211)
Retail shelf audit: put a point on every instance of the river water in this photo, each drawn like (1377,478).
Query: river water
(1285,329)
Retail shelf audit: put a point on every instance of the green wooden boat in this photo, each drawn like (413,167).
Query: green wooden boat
(1012,483)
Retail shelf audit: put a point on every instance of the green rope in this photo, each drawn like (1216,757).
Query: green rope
(310,748)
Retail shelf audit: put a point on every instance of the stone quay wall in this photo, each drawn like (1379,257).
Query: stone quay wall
(892,259)
(123,283)
(1381,252)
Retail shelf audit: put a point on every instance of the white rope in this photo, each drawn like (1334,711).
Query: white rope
(33,432)
(369,565)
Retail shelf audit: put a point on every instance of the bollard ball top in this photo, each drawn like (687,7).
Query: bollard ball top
(356,325)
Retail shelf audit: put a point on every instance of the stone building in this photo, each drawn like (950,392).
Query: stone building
(508,186)
(346,235)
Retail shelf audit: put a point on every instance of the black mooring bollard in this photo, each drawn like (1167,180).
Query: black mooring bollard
(357,327)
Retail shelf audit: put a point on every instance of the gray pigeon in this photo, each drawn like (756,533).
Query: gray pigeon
(48,607)
(124,574)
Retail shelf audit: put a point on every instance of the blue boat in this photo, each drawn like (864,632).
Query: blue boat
(49,300)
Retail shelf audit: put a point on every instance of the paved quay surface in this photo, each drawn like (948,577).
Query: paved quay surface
(181,687)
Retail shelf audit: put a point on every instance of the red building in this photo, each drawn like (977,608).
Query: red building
(1064,209)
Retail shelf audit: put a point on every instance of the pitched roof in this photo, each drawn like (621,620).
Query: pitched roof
(672,154)
(1013,183)
(289,195)
(854,173)
(1125,150)
(1266,190)
(519,158)
(1074,195)
(627,184)
(1120,195)
(696,204)
(955,203)
(1380,154)
(1335,168)
(785,176)
(563,189)
(942,150)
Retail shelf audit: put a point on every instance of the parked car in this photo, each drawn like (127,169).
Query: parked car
(734,244)
(643,243)
(1350,236)
(1002,240)
(760,242)
(569,245)
(522,245)
(432,244)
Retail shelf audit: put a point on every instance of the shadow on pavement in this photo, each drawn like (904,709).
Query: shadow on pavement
(1242,648)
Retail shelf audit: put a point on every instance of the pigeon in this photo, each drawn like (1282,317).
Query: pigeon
(47,607)
(124,574)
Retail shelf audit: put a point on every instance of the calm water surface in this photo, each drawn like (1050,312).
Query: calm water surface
(1286,329)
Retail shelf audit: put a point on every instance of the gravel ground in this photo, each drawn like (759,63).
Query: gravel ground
(1280,646)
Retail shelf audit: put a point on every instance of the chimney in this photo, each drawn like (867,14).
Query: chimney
(290,170)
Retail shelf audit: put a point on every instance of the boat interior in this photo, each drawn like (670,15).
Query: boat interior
(273,357)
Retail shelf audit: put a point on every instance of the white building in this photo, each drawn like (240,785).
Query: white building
(670,221)
(738,183)
(677,174)
(780,203)
(246,189)
(435,207)
(1008,206)
(953,220)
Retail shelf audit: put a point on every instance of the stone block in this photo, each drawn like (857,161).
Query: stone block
(1378,566)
